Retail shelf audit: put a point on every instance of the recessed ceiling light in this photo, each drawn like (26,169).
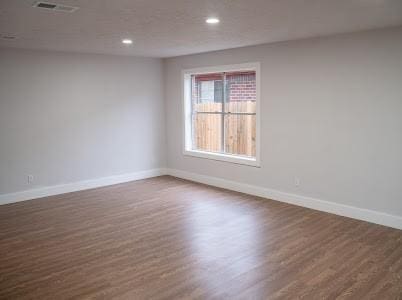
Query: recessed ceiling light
(212,21)
(127,41)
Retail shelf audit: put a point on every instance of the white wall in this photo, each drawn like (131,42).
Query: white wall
(71,117)
(331,114)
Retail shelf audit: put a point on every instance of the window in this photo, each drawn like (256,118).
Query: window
(221,113)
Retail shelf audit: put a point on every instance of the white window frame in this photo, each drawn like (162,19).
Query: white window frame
(187,134)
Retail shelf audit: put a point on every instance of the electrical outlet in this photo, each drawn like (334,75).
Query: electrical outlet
(297,181)
(30,179)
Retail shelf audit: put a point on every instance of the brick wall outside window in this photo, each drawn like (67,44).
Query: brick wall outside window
(241,86)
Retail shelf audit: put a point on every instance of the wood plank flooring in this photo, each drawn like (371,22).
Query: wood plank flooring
(166,238)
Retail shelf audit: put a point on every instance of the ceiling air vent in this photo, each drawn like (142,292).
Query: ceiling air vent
(55,7)
(7,37)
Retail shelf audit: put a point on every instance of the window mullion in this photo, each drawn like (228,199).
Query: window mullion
(192,111)
(223,114)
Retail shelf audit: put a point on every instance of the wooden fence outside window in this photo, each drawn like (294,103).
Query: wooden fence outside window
(239,129)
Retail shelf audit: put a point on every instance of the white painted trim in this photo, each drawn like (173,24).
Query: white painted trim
(224,68)
(78,186)
(236,159)
(186,113)
(317,204)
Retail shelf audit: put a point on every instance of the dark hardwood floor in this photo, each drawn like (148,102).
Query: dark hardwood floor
(166,238)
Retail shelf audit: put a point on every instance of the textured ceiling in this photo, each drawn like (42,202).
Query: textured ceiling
(164,28)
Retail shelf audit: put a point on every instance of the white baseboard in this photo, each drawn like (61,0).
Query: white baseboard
(78,186)
(326,206)
(317,204)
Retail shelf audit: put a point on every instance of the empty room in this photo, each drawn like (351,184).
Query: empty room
(209,149)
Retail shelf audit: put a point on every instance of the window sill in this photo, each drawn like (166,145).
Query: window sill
(248,161)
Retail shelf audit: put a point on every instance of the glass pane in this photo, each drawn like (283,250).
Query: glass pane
(207,132)
(207,92)
(240,133)
(240,92)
